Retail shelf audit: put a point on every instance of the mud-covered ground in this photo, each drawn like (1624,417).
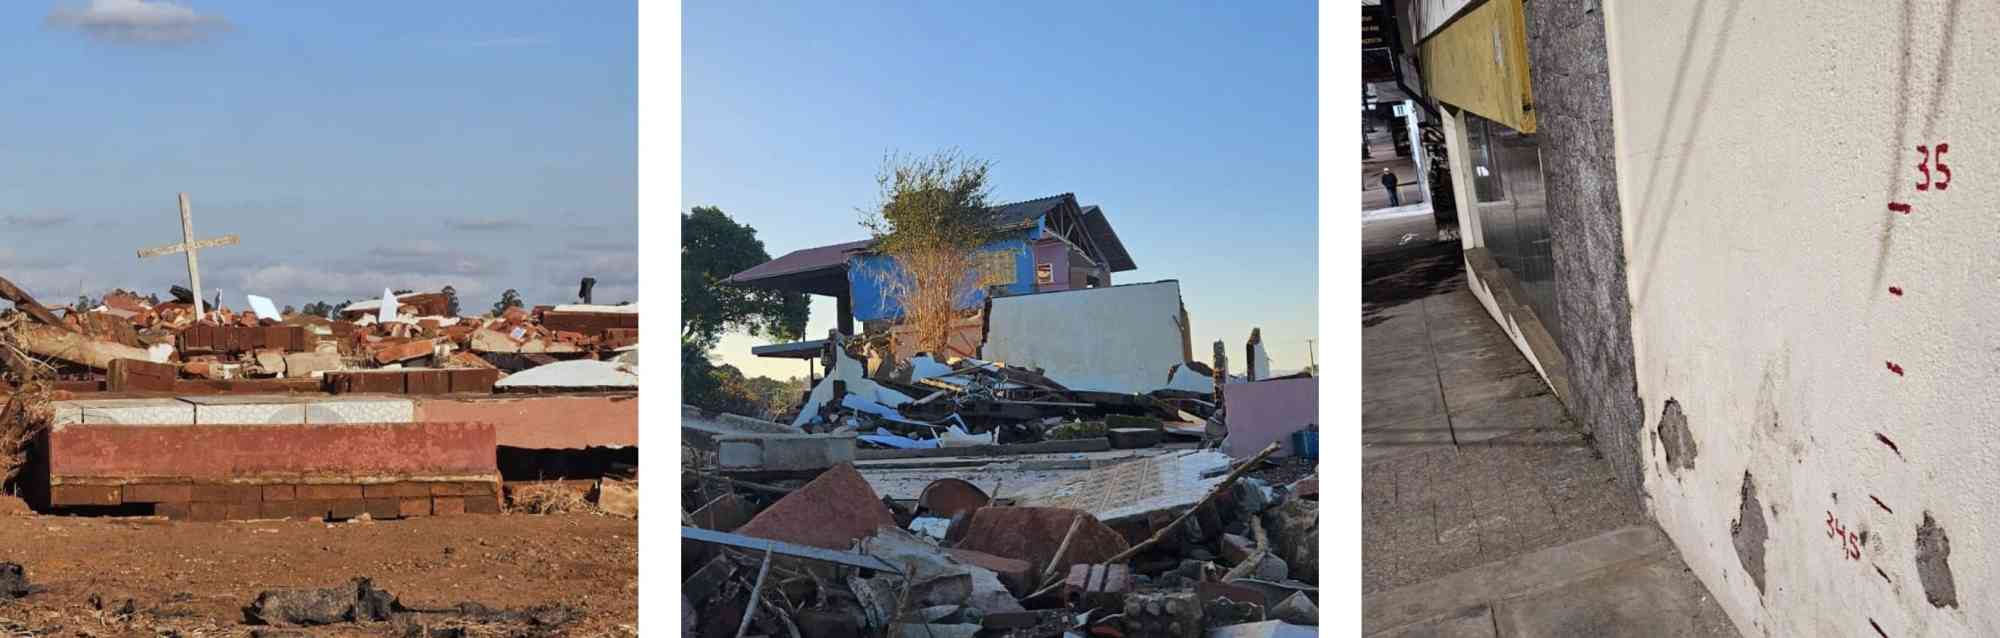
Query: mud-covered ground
(194,579)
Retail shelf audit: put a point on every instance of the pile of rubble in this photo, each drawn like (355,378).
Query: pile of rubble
(133,343)
(922,401)
(1182,544)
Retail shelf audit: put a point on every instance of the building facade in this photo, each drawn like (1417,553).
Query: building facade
(1743,242)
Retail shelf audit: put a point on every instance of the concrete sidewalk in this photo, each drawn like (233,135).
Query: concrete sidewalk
(1486,512)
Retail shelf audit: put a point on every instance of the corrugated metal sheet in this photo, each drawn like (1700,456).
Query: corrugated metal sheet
(1479,63)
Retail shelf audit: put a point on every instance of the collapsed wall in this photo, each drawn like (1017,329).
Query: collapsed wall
(1805,220)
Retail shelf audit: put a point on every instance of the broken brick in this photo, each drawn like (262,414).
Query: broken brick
(830,512)
(1032,534)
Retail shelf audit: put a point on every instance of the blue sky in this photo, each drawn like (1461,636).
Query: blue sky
(1195,126)
(352,146)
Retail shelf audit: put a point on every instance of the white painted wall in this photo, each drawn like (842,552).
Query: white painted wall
(1758,146)
(1117,339)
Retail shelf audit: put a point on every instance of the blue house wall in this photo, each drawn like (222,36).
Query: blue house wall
(866,287)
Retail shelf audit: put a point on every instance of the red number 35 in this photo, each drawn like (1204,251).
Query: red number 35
(1925,167)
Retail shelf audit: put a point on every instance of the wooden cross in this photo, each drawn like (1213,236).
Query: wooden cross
(189,245)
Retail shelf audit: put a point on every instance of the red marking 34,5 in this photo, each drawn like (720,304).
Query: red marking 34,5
(1899,207)
(1850,543)
(1895,368)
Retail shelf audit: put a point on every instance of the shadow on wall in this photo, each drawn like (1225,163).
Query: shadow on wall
(1654,226)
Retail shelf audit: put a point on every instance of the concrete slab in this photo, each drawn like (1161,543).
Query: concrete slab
(360,409)
(1658,594)
(1471,622)
(783,452)
(160,411)
(247,409)
(1520,575)
(1128,490)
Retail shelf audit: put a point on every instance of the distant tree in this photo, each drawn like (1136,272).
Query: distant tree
(338,309)
(450,301)
(83,303)
(509,299)
(934,223)
(404,291)
(288,311)
(716,389)
(713,247)
(318,309)
(153,299)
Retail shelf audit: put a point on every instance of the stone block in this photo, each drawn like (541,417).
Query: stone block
(1168,615)
(1097,586)
(85,495)
(783,452)
(1133,438)
(158,493)
(305,365)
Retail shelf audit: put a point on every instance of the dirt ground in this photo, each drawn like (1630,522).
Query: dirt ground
(194,579)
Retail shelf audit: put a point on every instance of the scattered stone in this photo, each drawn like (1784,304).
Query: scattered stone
(1297,609)
(1294,535)
(14,581)
(356,601)
(1237,549)
(618,497)
(1017,575)
(1175,615)
(1133,438)
(1218,612)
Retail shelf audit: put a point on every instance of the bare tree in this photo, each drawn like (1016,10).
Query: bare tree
(933,223)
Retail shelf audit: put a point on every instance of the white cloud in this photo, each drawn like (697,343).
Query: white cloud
(47,220)
(152,22)
(484,223)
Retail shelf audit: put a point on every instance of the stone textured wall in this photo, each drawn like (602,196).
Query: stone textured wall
(1572,94)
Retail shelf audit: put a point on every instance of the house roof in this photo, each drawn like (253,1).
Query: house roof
(820,270)
(823,270)
(1099,227)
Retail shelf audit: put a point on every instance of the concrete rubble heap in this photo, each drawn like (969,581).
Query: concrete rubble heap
(926,402)
(393,409)
(1186,543)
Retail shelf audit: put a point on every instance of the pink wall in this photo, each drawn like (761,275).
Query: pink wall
(1264,411)
(1056,254)
(545,421)
(375,450)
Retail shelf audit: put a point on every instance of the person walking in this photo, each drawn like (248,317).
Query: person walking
(1389,184)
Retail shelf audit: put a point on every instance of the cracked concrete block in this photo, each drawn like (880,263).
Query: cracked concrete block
(1933,564)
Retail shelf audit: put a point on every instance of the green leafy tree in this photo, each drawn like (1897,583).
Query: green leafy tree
(450,301)
(713,247)
(933,222)
(509,299)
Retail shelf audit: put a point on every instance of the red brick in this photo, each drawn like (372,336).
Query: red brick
(280,509)
(1100,586)
(475,488)
(310,509)
(412,507)
(347,508)
(208,511)
(427,381)
(85,495)
(383,508)
(227,493)
(280,493)
(447,505)
(396,490)
(830,512)
(406,351)
(474,380)
(328,492)
(1032,534)
(158,493)
(482,505)
(177,510)
(242,511)
(133,375)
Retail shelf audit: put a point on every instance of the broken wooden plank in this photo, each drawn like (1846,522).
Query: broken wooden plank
(27,304)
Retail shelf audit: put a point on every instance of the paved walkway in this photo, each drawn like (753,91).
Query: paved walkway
(1486,512)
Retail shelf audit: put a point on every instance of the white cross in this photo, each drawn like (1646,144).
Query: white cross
(189,245)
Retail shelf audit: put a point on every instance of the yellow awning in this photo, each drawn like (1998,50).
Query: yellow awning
(1479,63)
